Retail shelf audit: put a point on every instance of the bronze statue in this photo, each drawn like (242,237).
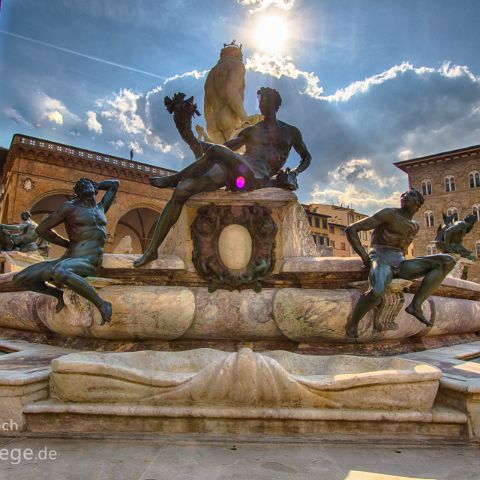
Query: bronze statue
(267,145)
(450,235)
(393,231)
(85,223)
(22,237)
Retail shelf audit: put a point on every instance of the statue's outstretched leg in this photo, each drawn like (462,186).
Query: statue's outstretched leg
(380,277)
(214,155)
(66,273)
(34,277)
(434,269)
(211,181)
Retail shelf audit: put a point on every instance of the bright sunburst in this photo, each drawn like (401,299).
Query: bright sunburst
(271,34)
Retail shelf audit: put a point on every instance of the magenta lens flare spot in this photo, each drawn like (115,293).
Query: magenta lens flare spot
(240,182)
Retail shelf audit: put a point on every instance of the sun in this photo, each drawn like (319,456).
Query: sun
(271,34)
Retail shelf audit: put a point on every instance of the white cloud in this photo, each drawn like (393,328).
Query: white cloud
(358,169)
(405,154)
(278,66)
(55,117)
(259,5)
(117,143)
(123,107)
(16,116)
(92,123)
(361,199)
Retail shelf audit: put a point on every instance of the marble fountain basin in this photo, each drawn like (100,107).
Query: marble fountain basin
(207,377)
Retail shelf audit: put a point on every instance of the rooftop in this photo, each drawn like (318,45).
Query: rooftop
(465,152)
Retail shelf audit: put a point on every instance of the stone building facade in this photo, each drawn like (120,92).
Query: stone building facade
(38,175)
(450,182)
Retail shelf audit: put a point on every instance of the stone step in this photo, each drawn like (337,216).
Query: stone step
(54,417)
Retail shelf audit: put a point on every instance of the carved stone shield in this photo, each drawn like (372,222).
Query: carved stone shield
(233,246)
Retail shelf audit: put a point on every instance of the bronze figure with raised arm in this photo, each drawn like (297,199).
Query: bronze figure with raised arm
(393,231)
(267,146)
(85,223)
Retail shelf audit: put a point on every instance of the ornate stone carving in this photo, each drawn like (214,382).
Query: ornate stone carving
(206,230)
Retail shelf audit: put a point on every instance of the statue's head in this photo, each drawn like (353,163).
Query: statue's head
(25,215)
(85,186)
(231,50)
(268,98)
(412,199)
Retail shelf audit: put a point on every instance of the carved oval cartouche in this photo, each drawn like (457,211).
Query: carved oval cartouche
(235,246)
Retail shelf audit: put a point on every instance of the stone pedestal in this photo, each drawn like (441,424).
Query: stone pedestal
(293,237)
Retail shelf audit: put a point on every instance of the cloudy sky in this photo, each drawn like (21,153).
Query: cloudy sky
(368,82)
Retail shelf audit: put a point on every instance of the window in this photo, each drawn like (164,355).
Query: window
(431,249)
(324,224)
(426,187)
(453,211)
(332,243)
(477,248)
(343,246)
(476,211)
(322,240)
(332,229)
(449,183)
(309,220)
(342,231)
(474,179)
(429,218)
(317,222)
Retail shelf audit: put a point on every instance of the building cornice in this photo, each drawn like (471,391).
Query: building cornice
(90,161)
(406,165)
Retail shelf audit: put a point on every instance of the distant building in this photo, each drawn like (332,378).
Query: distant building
(328,224)
(450,183)
(38,175)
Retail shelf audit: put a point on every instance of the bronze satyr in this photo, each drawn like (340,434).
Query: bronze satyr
(22,237)
(393,231)
(267,145)
(450,235)
(85,223)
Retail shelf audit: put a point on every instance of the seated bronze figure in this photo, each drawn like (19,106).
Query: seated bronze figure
(393,231)
(85,223)
(267,146)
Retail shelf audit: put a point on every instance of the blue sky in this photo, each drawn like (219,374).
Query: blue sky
(368,82)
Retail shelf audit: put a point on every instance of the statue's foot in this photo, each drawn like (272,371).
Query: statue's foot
(351,330)
(60,304)
(105,312)
(418,314)
(147,257)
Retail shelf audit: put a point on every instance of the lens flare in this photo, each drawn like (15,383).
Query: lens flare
(240,183)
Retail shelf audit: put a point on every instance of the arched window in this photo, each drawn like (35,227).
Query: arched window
(453,211)
(476,211)
(426,187)
(431,249)
(429,218)
(474,179)
(477,248)
(450,183)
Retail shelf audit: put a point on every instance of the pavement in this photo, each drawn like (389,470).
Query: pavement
(203,458)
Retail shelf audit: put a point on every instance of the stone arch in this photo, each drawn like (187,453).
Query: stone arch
(137,223)
(46,204)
